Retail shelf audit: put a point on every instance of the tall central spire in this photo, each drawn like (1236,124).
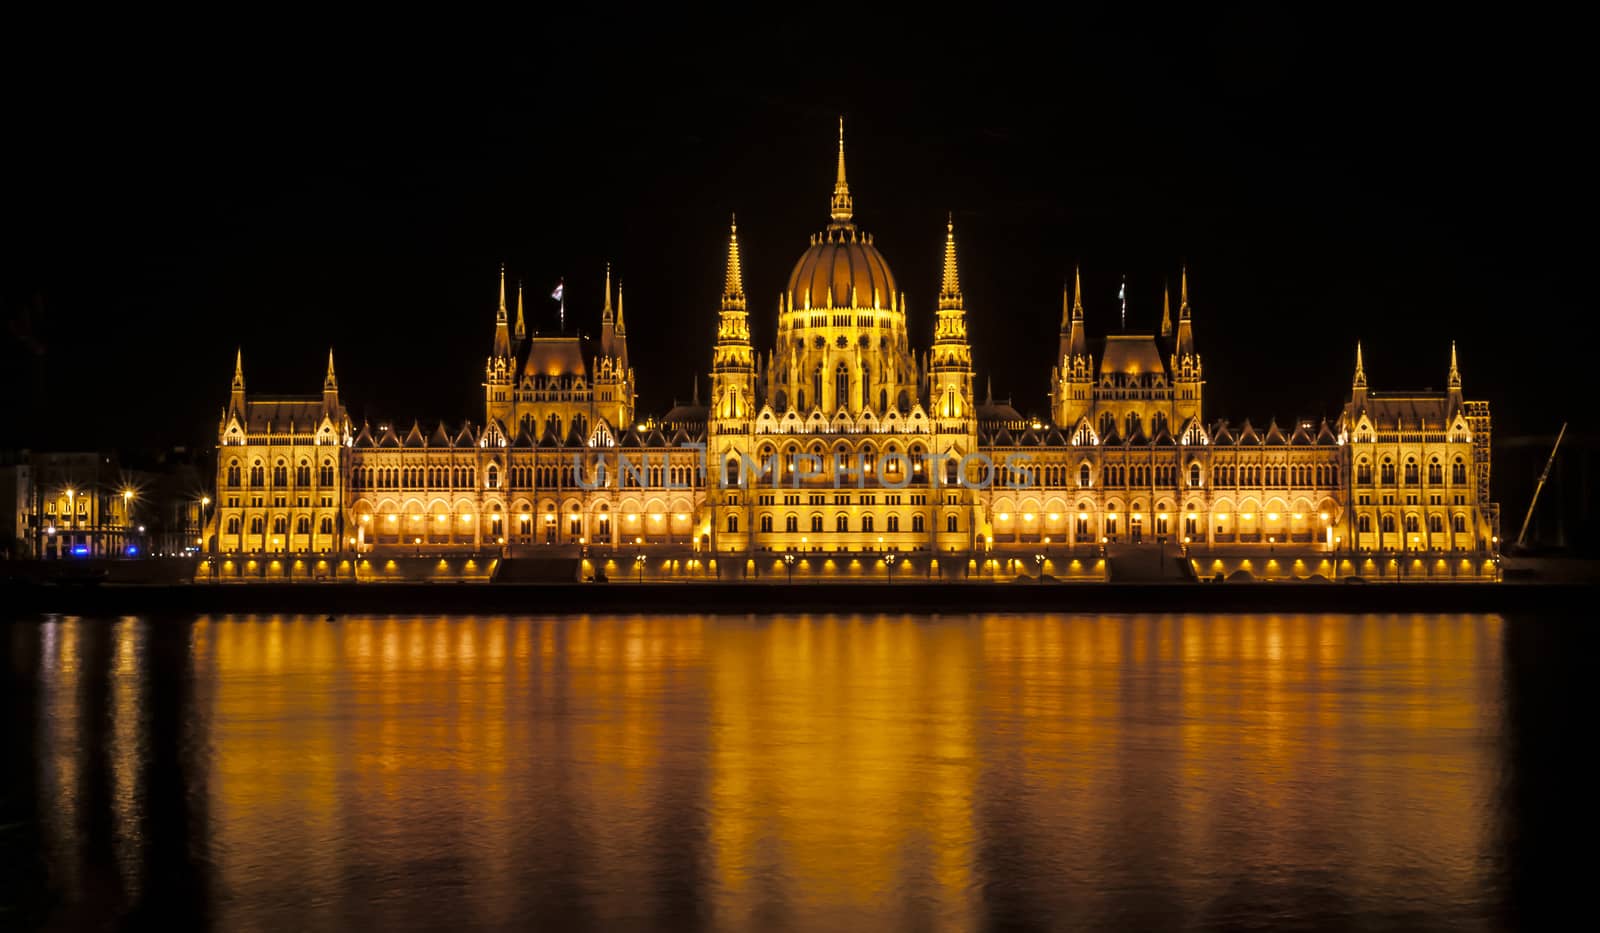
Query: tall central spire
(843,208)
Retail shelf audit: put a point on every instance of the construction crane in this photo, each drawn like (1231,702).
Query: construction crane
(1522,536)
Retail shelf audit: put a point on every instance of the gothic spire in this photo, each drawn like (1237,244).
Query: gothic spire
(500,315)
(950,293)
(522,329)
(842,207)
(1077,294)
(733,283)
(1455,373)
(1361,370)
(620,327)
(605,312)
(238,368)
(1166,311)
(330,379)
(1183,295)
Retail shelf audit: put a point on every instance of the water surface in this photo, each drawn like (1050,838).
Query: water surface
(790,772)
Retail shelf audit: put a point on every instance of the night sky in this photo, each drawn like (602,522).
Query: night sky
(285,189)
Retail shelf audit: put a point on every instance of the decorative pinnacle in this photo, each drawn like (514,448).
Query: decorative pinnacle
(1183,295)
(842,207)
(605,312)
(1455,374)
(950,294)
(330,365)
(1166,311)
(238,367)
(1077,294)
(733,284)
(501,314)
(1361,370)
(522,329)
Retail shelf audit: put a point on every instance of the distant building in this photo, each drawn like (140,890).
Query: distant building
(842,438)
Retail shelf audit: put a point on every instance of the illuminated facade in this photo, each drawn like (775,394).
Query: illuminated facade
(842,439)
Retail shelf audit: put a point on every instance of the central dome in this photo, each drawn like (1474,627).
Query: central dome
(842,269)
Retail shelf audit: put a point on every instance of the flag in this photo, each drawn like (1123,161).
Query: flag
(557,293)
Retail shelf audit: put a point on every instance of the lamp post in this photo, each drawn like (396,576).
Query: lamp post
(638,560)
(1038,559)
(888,561)
(788,563)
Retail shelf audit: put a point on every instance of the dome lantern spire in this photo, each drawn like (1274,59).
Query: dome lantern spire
(842,207)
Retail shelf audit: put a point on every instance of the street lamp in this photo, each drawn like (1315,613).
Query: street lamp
(888,561)
(788,563)
(638,560)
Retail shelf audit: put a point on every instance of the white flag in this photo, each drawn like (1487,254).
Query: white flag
(557,293)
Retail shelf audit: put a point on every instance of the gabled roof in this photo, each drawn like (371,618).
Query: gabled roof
(277,415)
(439,438)
(554,356)
(1131,355)
(364,439)
(1275,434)
(388,438)
(1247,434)
(1223,434)
(414,437)
(1325,434)
(466,437)
(1301,436)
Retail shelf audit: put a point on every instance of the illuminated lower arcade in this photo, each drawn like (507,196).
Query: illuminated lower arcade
(843,451)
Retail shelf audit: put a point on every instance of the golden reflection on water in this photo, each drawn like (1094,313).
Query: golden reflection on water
(815,771)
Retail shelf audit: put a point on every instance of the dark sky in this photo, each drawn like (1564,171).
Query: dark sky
(283,188)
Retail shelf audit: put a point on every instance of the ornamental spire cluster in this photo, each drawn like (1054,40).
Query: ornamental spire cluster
(950,293)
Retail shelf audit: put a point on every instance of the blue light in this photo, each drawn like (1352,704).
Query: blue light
(81,550)
(132,549)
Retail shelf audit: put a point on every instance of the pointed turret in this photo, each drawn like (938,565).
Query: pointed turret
(330,387)
(1453,381)
(521,332)
(502,335)
(1185,345)
(608,321)
(606,314)
(1358,385)
(951,368)
(1166,311)
(1077,338)
(842,208)
(733,360)
(236,396)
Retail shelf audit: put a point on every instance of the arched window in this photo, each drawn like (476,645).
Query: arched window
(1108,423)
(491,477)
(816,524)
(1363,471)
(1435,471)
(1388,524)
(1435,524)
(1411,471)
(894,523)
(1458,471)
(233,525)
(1084,475)
(1364,524)
(841,523)
(302,525)
(258,474)
(916,523)
(1132,423)
(952,523)
(1459,522)
(280,525)
(1194,474)
(233,474)
(1411,524)
(1387,470)
(325,474)
(766,523)
(280,473)
(866,523)
(841,387)
(302,473)
(733,472)
(791,523)
(255,525)
(733,523)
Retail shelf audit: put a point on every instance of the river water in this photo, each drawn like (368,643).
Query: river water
(823,772)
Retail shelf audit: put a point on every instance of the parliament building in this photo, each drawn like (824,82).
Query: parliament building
(849,445)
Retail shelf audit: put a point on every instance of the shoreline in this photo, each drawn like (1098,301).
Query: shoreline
(733,597)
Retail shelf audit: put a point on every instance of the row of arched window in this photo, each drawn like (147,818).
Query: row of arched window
(841,523)
(234,474)
(1413,524)
(280,525)
(1411,471)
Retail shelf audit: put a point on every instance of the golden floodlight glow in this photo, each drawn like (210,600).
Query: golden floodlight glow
(1324,516)
(1003,516)
(1298,516)
(1027,516)
(682,517)
(1248,515)
(1054,515)
(655,516)
(1272,516)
